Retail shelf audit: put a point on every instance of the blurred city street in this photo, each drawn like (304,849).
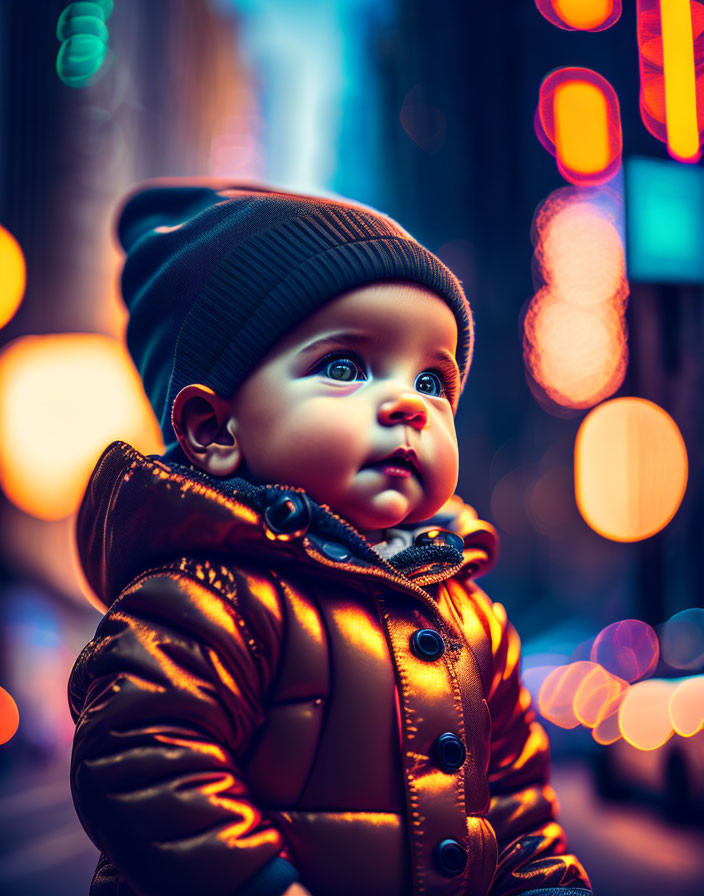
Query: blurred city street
(627,849)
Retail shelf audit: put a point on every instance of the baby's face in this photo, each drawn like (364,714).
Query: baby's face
(371,371)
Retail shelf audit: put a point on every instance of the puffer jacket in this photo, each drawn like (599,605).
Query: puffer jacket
(269,698)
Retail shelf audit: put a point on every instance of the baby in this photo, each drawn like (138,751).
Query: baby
(297,686)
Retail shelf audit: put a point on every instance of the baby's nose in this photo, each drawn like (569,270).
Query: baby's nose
(405,408)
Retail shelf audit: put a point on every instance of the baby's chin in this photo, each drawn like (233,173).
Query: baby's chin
(385,509)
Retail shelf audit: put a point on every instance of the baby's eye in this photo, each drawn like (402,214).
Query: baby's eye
(431,383)
(341,366)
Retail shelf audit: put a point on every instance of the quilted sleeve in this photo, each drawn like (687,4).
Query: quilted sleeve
(533,857)
(165,699)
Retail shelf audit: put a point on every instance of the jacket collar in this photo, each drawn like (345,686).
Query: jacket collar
(139,512)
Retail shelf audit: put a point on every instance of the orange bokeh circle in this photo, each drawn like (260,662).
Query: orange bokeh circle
(644,716)
(9,717)
(14,276)
(576,354)
(630,469)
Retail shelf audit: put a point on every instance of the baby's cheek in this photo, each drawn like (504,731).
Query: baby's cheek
(441,478)
(344,424)
(318,449)
(444,449)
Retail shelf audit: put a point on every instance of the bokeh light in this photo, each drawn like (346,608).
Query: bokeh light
(574,234)
(577,355)
(14,276)
(39,655)
(630,469)
(607,730)
(578,120)
(671,56)
(9,717)
(72,23)
(574,342)
(63,398)
(603,694)
(628,649)
(680,80)
(581,15)
(84,35)
(533,676)
(598,696)
(80,59)
(424,122)
(581,127)
(556,698)
(644,716)
(682,640)
(687,706)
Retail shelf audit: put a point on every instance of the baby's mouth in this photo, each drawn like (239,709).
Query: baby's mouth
(395,466)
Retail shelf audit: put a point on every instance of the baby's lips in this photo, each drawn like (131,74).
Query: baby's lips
(395,461)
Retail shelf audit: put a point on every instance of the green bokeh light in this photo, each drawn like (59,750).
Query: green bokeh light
(80,58)
(107,7)
(664,221)
(70,26)
(92,8)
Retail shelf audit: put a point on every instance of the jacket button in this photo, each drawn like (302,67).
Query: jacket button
(440,537)
(450,752)
(335,551)
(288,514)
(427,644)
(450,858)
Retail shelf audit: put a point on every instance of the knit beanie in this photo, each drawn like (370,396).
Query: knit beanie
(216,273)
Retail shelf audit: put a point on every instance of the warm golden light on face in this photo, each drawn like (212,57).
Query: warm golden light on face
(9,717)
(13,276)
(680,80)
(301,425)
(581,127)
(63,398)
(644,717)
(687,706)
(630,469)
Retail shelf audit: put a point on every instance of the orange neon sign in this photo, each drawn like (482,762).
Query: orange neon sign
(578,120)
(581,15)
(671,57)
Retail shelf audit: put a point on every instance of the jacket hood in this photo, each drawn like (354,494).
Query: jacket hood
(140,512)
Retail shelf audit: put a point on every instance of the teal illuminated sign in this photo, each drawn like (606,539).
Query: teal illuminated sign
(664,221)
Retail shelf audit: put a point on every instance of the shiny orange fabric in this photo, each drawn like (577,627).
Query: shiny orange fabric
(246,697)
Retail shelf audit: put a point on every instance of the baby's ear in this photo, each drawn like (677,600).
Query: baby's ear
(205,429)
